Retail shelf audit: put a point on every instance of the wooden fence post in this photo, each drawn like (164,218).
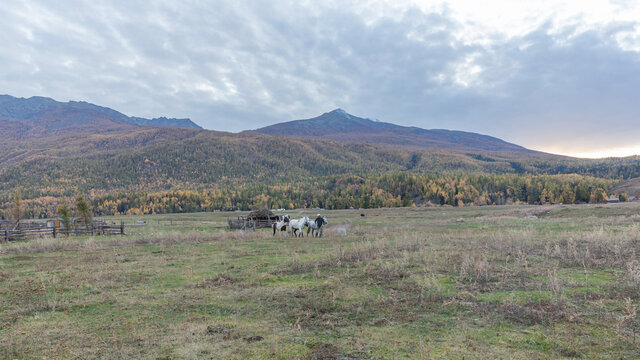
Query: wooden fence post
(54,231)
(6,235)
(122,227)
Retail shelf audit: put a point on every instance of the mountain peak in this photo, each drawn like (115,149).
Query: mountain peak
(339,114)
(339,125)
(339,111)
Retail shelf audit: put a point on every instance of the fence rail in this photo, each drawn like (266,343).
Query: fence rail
(249,224)
(31,232)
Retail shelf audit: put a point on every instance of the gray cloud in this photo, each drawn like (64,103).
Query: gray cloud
(245,64)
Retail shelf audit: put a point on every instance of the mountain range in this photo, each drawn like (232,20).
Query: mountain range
(341,126)
(39,116)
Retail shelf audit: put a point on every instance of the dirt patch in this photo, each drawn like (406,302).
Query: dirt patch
(255,338)
(211,329)
(220,280)
(534,313)
(385,273)
(5,276)
(324,352)
(227,333)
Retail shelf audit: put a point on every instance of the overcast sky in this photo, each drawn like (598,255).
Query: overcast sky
(557,76)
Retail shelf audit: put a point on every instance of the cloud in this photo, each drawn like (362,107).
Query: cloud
(563,80)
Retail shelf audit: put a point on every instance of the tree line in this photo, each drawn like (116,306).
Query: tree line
(81,213)
(346,191)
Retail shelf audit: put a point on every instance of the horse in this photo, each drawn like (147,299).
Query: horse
(295,225)
(281,225)
(313,227)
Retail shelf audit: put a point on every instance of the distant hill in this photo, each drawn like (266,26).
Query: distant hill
(630,187)
(341,126)
(37,116)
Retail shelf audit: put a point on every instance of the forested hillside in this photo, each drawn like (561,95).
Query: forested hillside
(176,171)
(60,150)
(174,160)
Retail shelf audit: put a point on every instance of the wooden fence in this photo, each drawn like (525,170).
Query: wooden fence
(249,224)
(30,231)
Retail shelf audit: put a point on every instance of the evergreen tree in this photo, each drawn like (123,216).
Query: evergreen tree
(83,210)
(65,215)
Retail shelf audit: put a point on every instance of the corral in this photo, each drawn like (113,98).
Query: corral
(256,219)
(517,282)
(25,230)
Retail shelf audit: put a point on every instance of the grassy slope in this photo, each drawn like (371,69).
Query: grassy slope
(630,187)
(507,282)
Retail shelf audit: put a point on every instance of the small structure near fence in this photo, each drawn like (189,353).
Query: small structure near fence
(10,231)
(263,218)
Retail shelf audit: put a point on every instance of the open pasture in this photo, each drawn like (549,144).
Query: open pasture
(510,282)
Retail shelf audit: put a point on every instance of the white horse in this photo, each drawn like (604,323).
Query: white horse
(281,225)
(299,224)
(313,227)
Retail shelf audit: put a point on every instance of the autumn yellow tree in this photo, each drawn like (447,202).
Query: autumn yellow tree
(17,211)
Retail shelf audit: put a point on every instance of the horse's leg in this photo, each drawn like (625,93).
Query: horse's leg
(274,229)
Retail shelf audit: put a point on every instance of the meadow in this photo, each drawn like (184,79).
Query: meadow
(503,282)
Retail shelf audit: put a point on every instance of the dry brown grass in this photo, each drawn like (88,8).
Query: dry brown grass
(49,244)
(498,285)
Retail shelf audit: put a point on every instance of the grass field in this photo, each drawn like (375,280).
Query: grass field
(509,282)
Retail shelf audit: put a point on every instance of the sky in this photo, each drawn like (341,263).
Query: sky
(555,76)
